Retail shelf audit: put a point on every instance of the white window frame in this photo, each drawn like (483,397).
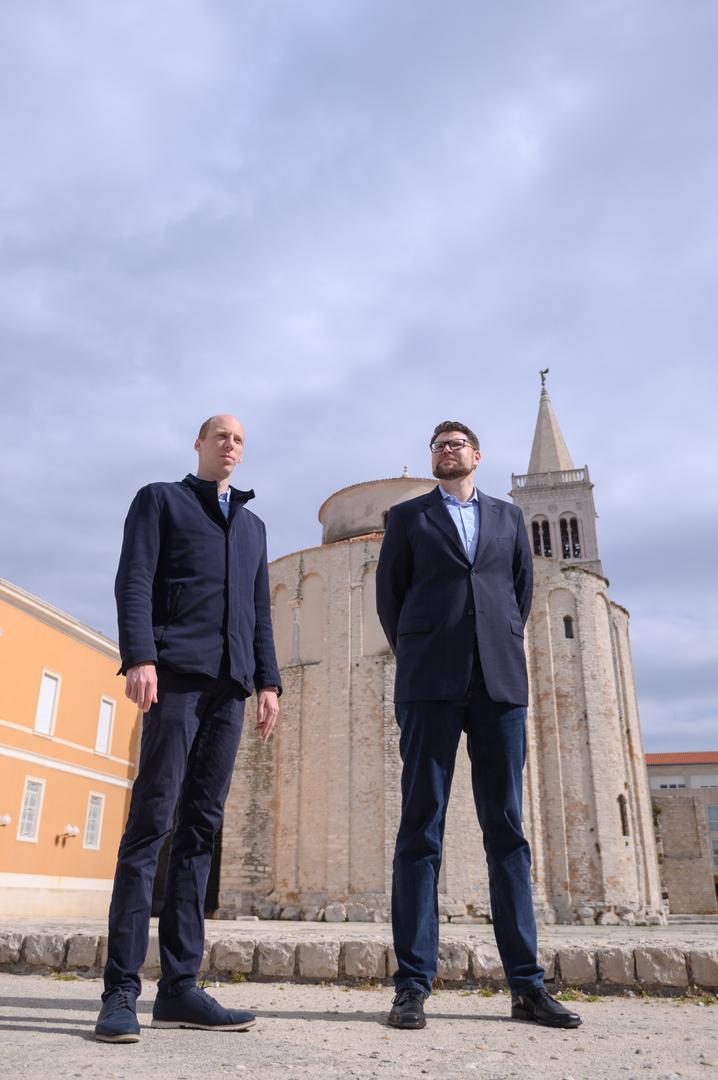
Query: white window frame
(53,719)
(94,795)
(21,815)
(104,700)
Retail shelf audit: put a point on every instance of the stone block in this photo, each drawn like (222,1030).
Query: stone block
(291,913)
(44,950)
(365,959)
(704,968)
(452,907)
(357,913)
(453,961)
(265,910)
(102,952)
(547,960)
(318,959)
(310,914)
(380,915)
(486,965)
(82,951)
(151,965)
(233,954)
(335,912)
(577,966)
(629,919)
(391,961)
(616,966)
(276,959)
(661,967)
(10,946)
(608,918)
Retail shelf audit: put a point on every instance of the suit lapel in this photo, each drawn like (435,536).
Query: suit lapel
(440,516)
(488,516)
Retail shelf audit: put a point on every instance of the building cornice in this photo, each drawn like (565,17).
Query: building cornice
(58,620)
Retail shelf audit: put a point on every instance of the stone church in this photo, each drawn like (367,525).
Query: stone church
(312,816)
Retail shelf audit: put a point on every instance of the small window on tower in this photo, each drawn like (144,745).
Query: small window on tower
(565,545)
(575,542)
(546,537)
(568,626)
(541,537)
(623,810)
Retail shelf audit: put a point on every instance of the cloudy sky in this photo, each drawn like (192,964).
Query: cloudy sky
(344,221)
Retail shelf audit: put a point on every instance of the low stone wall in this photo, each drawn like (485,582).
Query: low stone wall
(651,968)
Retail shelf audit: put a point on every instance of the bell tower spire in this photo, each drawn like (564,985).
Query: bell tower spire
(556,498)
(549,452)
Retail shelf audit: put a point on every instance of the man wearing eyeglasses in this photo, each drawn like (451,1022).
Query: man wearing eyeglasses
(454,585)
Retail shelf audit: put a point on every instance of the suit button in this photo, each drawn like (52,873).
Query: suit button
(470,611)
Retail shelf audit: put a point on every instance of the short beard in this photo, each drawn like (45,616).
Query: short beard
(452,470)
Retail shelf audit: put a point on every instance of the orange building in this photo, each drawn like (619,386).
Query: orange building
(69,740)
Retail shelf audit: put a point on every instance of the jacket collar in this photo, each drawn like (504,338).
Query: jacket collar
(437,512)
(202,486)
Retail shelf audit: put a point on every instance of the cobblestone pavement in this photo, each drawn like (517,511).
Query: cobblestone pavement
(311,1031)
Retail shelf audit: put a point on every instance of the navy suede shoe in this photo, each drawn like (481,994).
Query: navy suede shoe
(196,1009)
(117,1021)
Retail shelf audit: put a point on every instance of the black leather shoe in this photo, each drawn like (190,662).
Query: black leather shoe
(539,1006)
(408,1009)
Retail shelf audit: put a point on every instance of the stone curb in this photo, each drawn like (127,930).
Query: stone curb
(642,968)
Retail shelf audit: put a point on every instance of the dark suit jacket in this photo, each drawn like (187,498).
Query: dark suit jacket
(433,603)
(191,585)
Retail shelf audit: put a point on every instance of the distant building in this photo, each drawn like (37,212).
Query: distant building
(68,742)
(312,816)
(684,789)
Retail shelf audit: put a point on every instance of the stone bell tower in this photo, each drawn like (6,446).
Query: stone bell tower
(587,798)
(557,498)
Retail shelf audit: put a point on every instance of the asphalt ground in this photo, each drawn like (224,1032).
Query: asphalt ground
(307,1032)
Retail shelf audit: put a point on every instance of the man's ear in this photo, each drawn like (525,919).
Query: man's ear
(196,445)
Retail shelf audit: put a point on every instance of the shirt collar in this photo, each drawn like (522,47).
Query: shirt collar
(447,497)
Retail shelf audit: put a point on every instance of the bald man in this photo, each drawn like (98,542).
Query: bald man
(195,631)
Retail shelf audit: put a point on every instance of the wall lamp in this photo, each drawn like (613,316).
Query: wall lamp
(69,832)
(5,820)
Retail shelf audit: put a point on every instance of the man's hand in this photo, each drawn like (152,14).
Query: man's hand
(267,712)
(141,686)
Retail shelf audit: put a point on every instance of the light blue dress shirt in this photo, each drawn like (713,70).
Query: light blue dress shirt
(466,518)
(223,500)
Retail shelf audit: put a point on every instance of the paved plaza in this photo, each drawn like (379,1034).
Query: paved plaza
(307,1032)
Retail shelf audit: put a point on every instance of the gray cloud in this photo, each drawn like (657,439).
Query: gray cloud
(344,222)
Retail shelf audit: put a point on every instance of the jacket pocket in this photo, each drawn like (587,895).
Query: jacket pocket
(517,627)
(171,610)
(415,624)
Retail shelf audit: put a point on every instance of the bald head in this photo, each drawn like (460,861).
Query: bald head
(219,447)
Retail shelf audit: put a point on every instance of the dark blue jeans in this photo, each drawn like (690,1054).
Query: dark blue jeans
(496,742)
(190,739)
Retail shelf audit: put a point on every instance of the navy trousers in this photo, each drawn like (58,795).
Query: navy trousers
(190,739)
(496,743)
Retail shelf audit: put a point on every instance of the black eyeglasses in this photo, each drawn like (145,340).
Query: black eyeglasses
(452,444)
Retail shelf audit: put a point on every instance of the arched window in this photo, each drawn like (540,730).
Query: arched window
(541,537)
(568,626)
(623,810)
(570,542)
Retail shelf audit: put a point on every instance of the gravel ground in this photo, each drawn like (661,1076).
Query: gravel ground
(306,1032)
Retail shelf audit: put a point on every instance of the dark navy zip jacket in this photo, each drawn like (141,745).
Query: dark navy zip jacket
(192,587)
